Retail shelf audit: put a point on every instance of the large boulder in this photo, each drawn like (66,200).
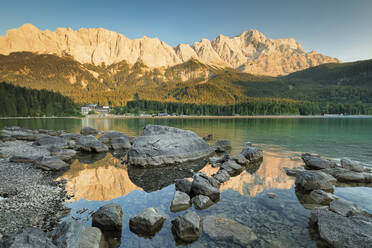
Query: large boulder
(108,217)
(218,228)
(342,232)
(147,222)
(202,186)
(314,162)
(181,201)
(90,143)
(311,180)
(88,131)
(50,163)
(187,227)
(72,234)
(162,145)
(28,238)
(115,140)
(222,146)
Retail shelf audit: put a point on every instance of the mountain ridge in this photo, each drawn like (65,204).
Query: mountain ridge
(249,52)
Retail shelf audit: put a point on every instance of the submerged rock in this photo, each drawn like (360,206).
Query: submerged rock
(222,146)
(161,145)
(115,140)
(218,228)
(311,180)
(202,202)
(108,217)
(183,185)
(180,202)
(50,163)
(88,131)
(342,232)
(187,227)
(72,234)
(28,238)
(147,222)
(90,143)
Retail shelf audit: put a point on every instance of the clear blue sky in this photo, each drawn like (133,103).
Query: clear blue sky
(338,28)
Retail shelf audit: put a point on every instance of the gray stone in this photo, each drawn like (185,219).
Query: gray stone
(88,131)
(62,154)
(147,222)
(293,171)
(343,175)
(240,159)
(187,227)
(209,137)
(90,143)
(160,146)
(202,202)
(322,197)
(232,168)
(317,163)
(72,234)
(108,217)
(342,232)
(222,146)
(180,202)
(70,136)
(218,228)
(221,176)
(28,238)
(183,185)
(202,186)
(51,141)
(311,180)
(351,165)
(344,207)
(216,161)
(50,163)
(115,140)
(252,154)
(23,158)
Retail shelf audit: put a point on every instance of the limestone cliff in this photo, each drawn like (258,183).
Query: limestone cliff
(250,51)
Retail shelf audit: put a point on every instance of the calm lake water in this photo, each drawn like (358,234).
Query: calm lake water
(280,222)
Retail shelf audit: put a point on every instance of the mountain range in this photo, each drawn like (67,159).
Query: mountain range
(249,52)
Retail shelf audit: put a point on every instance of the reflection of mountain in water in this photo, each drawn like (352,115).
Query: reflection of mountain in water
(100,180)
(269,175)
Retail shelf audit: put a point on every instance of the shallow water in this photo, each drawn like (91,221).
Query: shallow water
(280,222)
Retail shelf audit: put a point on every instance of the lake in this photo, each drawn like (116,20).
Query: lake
(95,180)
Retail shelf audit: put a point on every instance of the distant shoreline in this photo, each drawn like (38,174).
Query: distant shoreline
(197,117)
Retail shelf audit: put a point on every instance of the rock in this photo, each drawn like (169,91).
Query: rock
(351,165)
(232,168)
(252,154)
(240,159)
(180,202)
(202,202)
(187,227)
(62,154)
(90,143)
(293,171)
(216,161)
(50,163)
(70,136)
(343,175)
(147,222)
(161,145)
(271,195)
(248,143)
(202,186)
(28,238)
(23,158)
(311,180)
(218,228)
(4,137)
(322,197)
(72,234)
(115,140)
(20,135)
(270,203)
(88,131)
(108,217)
(221,176)
(211,180)
(317,163)
(222,146)
(209,137)
(183,185)
(51,141)
(344,207)
(339,231)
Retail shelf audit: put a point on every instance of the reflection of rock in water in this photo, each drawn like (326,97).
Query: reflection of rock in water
(151,179)
(100,180)
(268,175)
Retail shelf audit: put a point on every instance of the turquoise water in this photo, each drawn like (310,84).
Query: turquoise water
(281,222)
